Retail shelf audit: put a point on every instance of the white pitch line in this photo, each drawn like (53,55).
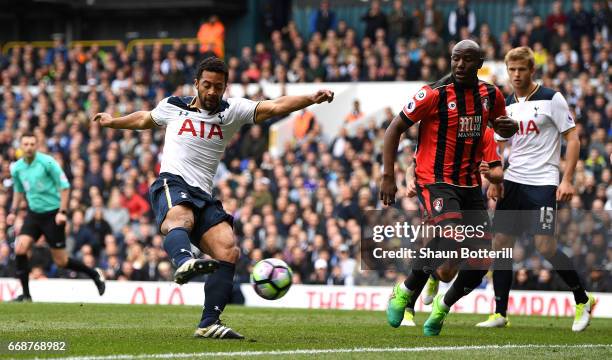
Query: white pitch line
(330,351)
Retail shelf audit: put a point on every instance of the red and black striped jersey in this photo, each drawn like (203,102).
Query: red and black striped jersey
(490,152)
(452,124)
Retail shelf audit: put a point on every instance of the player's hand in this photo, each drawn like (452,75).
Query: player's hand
(105,119)
(505,126)
(10,219)
(495,192)
(60,219)
(565,191)
(484,169)
(388,189)
(323,96)
(411,188)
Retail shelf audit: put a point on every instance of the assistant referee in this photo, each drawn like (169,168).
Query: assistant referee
(46,189)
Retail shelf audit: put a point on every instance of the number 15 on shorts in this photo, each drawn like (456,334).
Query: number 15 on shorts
(547,216)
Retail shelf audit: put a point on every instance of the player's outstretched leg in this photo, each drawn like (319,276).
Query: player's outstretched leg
(178,246)
(466,281)
(219,242)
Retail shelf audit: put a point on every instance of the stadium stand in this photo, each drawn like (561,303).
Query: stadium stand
(307,205)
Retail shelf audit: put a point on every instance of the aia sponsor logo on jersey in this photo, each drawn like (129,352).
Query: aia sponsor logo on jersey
(529,128)
(469,126)
(438,204)
(203,131)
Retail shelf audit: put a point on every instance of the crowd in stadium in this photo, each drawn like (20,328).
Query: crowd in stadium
(306,206)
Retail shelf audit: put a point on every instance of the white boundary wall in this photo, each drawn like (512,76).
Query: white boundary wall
(550,303)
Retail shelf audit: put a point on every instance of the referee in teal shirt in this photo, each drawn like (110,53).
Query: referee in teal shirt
(46,189)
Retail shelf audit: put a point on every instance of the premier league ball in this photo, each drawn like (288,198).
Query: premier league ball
(271,278)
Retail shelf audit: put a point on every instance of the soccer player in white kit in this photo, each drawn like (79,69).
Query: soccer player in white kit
(531,183)
(197,131)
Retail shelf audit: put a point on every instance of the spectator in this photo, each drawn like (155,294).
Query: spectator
(461,17)
(538,32)
(374,19)
(433,45)
(304,124)
(522,14)
(580,22)
(601,18)
(400,23)
(211,36)
(135,204)
(323,19)
(556,16)
(430,17)
(355,114)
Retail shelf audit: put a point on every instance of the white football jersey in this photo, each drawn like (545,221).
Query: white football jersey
(196,139)
(543,117)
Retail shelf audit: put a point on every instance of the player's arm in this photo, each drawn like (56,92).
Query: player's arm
(566,191)
(18,196)
(61,182)
(139,120)
(388,187)
(492,171)
(491,164)
(503,125)
(563,120)
(287,104)
(17,199)
(420,107)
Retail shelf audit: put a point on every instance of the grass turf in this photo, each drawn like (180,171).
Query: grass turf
(91,329)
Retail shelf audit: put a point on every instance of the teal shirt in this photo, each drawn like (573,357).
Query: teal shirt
(42,181)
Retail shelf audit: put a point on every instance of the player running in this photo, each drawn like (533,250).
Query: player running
(453,113)
(46,190)
(491,168)
(532,184)
(198,129)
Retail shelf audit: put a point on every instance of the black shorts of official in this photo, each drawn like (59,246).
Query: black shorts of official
(170,190)
(530,209)
(37,224)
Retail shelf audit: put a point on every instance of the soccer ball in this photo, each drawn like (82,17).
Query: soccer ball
(271,278)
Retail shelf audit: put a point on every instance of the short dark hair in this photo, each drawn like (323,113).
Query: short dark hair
(212,64)
(27,134)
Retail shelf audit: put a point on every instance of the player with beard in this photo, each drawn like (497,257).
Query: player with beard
(198,129)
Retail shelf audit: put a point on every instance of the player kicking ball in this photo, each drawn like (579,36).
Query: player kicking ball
(453,114)
(531,184)
(198,129)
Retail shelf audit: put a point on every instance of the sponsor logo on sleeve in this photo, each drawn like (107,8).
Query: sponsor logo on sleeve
(421,95)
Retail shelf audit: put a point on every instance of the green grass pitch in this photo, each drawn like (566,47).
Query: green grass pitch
(139,331)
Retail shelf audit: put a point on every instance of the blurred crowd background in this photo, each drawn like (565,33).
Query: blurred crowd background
(305,207)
